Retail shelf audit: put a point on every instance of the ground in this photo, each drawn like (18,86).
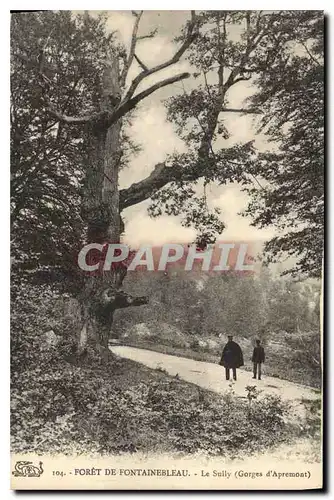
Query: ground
(141,401)
(211,376)
(282,361)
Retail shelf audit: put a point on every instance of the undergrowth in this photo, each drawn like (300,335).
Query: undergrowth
(68,406)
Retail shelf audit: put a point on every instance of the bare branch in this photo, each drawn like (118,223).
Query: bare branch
(191,34)
(150,35)
(258,182)
(156,86)
(258,19)
(70,120)
(126,106)
(221,55)
(314,59)
(141,64)
(144,189)
(161,175)
(108,118)
(241,110)
(212,118)
(252,43)
(242,79)
(248,27)
(128,62)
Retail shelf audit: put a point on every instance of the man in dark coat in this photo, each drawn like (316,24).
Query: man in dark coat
(258,358)
(231,358)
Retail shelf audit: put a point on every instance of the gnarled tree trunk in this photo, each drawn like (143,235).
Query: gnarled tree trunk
(100,209)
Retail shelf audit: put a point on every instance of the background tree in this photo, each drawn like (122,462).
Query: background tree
(213,304)
(291,96)
(46,161)
(281,55)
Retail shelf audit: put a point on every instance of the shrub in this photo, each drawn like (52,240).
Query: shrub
(106,413)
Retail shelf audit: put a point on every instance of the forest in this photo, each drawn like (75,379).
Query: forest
(76,91)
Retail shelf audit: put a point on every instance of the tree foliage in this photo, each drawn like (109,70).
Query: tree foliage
(47,159)
(281,55)
(291,96)
(212,305)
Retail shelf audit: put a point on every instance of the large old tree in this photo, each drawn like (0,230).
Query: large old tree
(80,48)
(71,100)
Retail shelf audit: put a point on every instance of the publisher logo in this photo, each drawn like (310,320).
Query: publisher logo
(27,469)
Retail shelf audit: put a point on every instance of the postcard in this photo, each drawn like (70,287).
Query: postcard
(167,220)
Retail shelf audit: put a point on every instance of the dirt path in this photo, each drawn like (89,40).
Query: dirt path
(212,377)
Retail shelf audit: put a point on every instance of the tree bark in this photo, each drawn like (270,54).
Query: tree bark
(100,209)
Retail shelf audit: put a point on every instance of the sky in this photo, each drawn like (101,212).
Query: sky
(157,137)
